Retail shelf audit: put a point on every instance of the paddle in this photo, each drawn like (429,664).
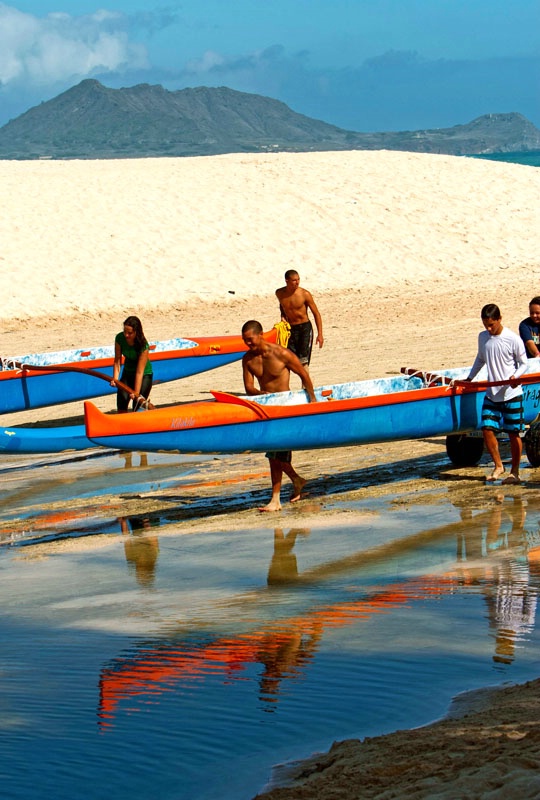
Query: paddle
(225,397)
(431,378)
(487,384)
(142,401)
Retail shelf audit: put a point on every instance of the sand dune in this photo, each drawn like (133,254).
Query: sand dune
(89,236)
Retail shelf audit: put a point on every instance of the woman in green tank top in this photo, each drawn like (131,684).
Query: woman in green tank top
(131,345)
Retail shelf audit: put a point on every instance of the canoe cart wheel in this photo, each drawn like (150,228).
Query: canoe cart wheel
(532,444)
(463,450)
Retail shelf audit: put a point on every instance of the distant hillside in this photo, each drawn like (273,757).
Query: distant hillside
(91,121)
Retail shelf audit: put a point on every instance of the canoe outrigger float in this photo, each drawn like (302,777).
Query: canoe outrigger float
(26,382)
(402,407)
(34,440)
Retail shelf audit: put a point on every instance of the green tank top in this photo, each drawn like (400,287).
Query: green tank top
(131,355)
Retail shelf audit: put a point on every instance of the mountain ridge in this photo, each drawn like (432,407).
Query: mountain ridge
(90,120)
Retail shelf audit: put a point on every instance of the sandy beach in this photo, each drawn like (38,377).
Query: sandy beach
(400,251)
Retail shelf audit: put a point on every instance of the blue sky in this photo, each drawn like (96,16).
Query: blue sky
(365,65)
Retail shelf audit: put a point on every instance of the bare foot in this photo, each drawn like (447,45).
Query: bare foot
(497,473)
(298,485)
(511,479)
(272,506)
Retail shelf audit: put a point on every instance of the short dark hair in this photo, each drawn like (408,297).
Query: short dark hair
(290,273)
(252,325)
(535,301)
(491,311)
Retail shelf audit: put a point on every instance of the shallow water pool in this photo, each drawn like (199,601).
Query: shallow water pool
(140,660)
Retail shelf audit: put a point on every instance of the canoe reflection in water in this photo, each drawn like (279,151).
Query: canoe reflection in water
(490,559)
(141,547)
(511,592)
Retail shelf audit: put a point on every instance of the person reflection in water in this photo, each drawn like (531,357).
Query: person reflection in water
(284,652)
(141,547)
(128,459)
(283,567)
(510,601)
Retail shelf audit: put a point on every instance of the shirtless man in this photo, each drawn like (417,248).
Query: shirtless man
(272,365)
(294,303)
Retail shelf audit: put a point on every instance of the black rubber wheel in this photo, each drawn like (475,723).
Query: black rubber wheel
(532,444)
(463,450)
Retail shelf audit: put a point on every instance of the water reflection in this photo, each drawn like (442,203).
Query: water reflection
(505,581)
(282,649)
(492,558)
(141,547)
(283,566)
(128,457)
(28,501)
(284,654)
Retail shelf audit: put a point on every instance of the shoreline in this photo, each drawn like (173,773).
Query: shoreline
(489,741)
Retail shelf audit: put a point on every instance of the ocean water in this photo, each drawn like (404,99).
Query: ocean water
(530,159)
(143,658)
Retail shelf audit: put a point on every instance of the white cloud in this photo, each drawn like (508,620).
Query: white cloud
(257,60)
(209,61)
(40,51)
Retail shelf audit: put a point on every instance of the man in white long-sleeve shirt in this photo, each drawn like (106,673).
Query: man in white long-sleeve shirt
(503,353)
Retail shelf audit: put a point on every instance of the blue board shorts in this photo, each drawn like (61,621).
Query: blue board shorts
(505,416)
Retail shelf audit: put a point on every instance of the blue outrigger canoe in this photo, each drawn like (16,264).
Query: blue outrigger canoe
(361,412)
(364,412)
(23,388)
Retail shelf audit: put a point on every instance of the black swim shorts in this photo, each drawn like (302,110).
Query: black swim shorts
(301,341)
(280,455)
